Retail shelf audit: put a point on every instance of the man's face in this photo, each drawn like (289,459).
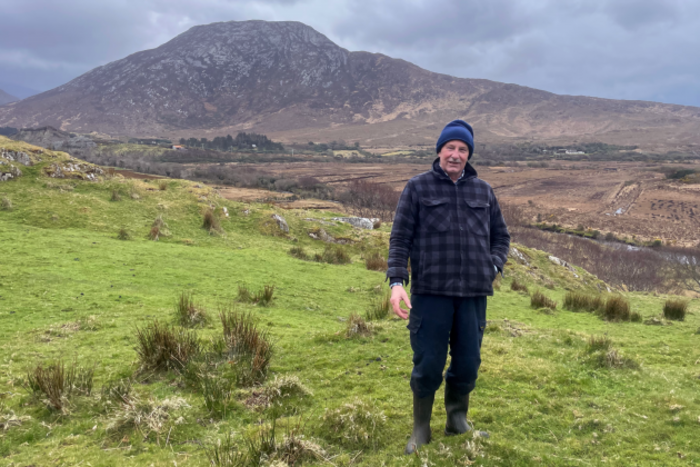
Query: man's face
(453,158)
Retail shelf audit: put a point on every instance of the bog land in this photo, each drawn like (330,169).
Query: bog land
(83,283)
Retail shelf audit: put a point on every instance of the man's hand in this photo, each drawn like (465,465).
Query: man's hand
(398,295)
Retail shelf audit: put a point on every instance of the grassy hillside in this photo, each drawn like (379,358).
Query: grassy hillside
(70,290)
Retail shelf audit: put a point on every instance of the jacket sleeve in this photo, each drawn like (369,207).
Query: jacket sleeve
(500,238)
(402,232)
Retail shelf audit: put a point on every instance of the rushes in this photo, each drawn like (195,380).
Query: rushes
(248,348)
(299,253)
(263,297)
(357,327)
(616,308)
(518,286)
(540,300)
(380,307)
(333,254)
(188,313)
(576,301)
(163,348)
(211,222)
(57,383)
(675,309)
(604,355)
(376,262)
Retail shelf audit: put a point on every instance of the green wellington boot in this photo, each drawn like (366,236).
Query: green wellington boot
(422,410)
(456,407)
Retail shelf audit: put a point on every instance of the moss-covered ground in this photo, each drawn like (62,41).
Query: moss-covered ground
(70,290)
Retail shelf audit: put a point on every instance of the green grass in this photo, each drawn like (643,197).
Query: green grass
(71,291)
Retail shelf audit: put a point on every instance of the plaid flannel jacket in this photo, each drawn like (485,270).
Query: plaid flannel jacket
(454,234)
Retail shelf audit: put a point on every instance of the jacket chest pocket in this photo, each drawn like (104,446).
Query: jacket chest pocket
(478,217)
(435,214)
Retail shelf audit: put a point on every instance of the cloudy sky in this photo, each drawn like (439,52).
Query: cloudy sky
(622,49)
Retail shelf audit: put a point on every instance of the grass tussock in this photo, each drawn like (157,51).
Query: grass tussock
(248,347)
(217,393)
(57,383)
(278,392)
(123,234)
(158,228)
(380,308)
(188,313)
(354,425)
(578,301)
(675,309)
(616,308)
(210,222)
(116,196)
(518,286)
(265,449)
(357,327)
(5,204)
(540,300)
(117,392)
(333,254)
(163,185)
(376,262)
(161,347)
(604,355)
(146,416)
(262,297)
(299,253)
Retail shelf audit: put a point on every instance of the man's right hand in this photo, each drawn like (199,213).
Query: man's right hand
(398,295)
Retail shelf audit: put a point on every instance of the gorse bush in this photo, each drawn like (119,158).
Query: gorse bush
(376,262)
(675,309)
(616,308)
(354,425)
(160,347)
(246,345)
(57,383)
(188,313)
(518,286)
(577,301)
(540,300)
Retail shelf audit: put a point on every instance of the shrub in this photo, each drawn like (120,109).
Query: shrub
(540,300)
(6,204)
(247,346)
(376,262)
(299,253)
(354,425)
(518,286)
(380,307)
(577,301)
(188,313)
(211,222)
(123,234)
(357,327)
(675,309)
(116,196)
(616,308)
(57,383)
(162,348)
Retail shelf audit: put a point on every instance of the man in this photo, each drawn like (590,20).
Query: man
(449,224)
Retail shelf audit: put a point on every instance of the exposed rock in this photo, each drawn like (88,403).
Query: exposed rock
(359,222)
(16,156)
(74,169)
(324,236)
(8,174)
(246,212)
(281,223)
(518,256)
(225,211)
(561,262)
(57,140)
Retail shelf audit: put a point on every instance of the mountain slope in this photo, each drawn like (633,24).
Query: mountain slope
(6,98)
(286,79)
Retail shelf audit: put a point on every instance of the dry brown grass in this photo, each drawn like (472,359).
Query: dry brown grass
(211,222)
(357,327)
(376,262)
(578,301)
(675,309)
(616,308)
(57,383)
(518,286)
(540,300)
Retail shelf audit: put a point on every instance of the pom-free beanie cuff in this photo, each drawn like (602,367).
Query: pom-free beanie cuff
(457,130)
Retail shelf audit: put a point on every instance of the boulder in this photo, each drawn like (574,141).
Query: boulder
(359,222)
(281,223)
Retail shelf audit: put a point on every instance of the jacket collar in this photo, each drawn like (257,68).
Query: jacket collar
(469,172)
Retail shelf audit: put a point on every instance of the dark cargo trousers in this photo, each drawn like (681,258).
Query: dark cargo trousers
(436,321)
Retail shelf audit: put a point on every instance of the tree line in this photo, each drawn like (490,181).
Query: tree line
(241,141)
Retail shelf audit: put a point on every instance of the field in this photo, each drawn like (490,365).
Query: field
(628,199)
(71,290)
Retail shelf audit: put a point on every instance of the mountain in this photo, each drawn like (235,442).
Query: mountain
(6,98)
(289,81)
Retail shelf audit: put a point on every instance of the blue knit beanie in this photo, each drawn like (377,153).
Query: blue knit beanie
(457,129)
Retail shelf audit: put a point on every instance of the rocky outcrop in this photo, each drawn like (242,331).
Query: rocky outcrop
(281,223)
(359,222)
